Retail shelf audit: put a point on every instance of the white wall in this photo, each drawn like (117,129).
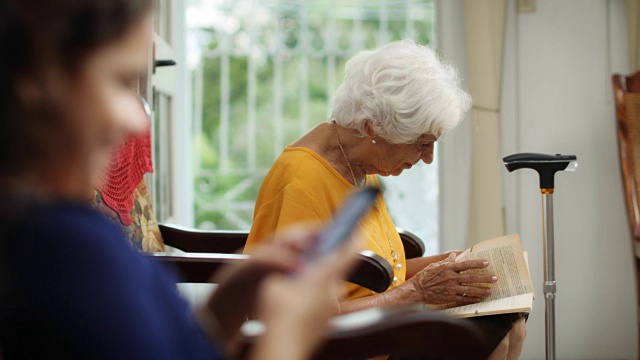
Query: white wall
(557,99)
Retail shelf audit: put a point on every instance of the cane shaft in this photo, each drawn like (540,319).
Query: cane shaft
(549,285)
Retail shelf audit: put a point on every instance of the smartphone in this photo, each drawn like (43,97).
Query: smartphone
(344,222)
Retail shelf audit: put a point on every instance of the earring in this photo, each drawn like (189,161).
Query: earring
(373,141)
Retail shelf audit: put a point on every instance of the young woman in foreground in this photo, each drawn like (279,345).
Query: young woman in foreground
(70,284)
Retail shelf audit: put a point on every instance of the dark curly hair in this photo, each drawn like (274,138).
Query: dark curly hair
(36,35)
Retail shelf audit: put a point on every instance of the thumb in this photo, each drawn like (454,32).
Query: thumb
(452,257)
(449,259)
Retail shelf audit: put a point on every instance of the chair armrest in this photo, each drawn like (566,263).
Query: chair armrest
(407,332)
(371,272)
(203,241)
(196,267)
(413,245)
(231,241)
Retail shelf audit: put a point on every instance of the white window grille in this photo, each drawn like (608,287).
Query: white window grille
(263,73)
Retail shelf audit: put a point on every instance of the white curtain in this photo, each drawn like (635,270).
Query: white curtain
(454,148)
(484,37)
(633,26)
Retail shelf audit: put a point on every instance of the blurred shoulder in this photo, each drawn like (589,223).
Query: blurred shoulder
(61,225)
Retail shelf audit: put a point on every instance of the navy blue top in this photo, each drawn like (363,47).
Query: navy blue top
(72,286)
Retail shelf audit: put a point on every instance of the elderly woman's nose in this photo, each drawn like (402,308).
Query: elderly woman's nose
(427,156)
(427,159)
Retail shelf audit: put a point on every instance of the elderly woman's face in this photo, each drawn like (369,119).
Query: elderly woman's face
(98,103)
(393,159)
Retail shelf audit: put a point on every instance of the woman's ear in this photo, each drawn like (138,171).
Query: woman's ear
(368,128)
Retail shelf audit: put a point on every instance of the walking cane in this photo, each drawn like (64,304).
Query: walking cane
(546,166)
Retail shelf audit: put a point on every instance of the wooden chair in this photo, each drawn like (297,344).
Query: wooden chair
(373,272)
(626,90)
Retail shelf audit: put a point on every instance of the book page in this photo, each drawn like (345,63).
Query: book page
(525,253)
(518,303)
(506,261)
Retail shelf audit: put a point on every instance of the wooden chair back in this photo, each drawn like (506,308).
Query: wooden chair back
(627,101)
(626,90)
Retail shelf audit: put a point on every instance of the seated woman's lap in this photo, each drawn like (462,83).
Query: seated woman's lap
(495,327)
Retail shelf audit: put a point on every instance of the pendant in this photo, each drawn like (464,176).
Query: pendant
(394,255)
(399,266)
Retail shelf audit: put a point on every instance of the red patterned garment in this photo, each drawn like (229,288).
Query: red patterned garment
(131,160)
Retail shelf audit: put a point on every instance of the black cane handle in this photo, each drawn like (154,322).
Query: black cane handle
(545,164)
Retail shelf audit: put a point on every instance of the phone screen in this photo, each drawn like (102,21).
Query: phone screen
(344,222)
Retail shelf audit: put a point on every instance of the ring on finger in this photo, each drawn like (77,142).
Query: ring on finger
(464,293)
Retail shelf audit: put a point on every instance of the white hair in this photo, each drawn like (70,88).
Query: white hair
(403,89)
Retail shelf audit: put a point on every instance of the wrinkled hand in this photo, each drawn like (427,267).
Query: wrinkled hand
(442,282)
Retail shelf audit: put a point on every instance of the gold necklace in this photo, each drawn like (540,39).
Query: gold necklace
(395,257)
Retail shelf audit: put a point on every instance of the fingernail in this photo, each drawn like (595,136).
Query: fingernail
(488,291)
(494,278)
(486,263)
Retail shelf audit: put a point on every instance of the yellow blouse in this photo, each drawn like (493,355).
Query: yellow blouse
(303,186)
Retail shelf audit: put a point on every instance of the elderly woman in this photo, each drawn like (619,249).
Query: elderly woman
(394,104)
(71,286)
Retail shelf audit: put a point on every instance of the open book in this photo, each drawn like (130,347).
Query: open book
(513,292)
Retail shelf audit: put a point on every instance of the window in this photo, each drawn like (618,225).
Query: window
(263,73)
(163,88)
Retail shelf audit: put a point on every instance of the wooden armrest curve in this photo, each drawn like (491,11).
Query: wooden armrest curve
(203,241)
(413,245)
(372,271)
